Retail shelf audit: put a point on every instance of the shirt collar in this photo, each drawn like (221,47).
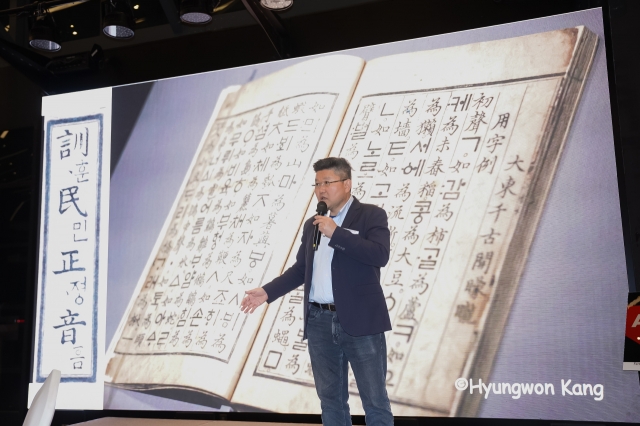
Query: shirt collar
(344,209)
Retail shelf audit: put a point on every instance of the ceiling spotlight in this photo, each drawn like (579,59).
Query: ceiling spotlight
(118,20)
(43,34)
(196,12)
(277,5)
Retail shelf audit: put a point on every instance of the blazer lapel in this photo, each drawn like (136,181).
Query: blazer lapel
(353,213)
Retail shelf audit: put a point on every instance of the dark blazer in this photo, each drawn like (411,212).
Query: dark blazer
(355,270)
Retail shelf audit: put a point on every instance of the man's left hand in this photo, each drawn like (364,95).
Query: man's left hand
(326,225)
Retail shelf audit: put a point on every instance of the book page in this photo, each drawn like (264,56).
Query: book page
(230,229)
(459,146)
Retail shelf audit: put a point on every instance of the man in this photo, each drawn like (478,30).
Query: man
(345,310)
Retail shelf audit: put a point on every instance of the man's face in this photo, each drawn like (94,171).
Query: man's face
(335,194)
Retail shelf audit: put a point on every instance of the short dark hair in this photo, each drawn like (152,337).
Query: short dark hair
(339,165)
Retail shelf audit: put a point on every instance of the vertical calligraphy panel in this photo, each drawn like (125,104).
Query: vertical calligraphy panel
(73,246)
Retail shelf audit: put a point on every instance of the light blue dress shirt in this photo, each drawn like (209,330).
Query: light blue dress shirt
(321,284)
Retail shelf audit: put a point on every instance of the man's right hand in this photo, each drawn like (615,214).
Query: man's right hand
(252,299)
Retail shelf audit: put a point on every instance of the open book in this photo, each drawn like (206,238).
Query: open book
(458,145)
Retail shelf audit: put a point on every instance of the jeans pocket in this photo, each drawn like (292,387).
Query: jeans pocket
(313,312)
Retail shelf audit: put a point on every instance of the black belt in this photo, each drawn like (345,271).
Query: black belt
(325,306)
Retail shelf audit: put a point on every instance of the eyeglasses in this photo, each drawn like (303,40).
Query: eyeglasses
(321,184)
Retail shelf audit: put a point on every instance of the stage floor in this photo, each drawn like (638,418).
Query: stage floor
(122,421)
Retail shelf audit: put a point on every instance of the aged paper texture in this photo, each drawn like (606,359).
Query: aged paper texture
(452,143)
(231,229)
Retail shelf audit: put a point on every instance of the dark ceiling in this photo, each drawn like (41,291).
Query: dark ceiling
(163,47)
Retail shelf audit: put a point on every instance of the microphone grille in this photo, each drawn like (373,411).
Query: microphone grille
(322,208)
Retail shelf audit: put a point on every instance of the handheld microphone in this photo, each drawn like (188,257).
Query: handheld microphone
(321,210)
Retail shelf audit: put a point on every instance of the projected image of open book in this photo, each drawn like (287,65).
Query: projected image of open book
(458,145)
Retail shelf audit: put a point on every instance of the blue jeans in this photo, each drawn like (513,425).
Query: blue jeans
(331,348)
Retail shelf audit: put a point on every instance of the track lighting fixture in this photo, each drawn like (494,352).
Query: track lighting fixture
(44,34)
(118,19)
(196,12)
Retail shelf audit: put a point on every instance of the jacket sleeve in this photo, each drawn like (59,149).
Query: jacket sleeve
(370,249)
(291,278)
